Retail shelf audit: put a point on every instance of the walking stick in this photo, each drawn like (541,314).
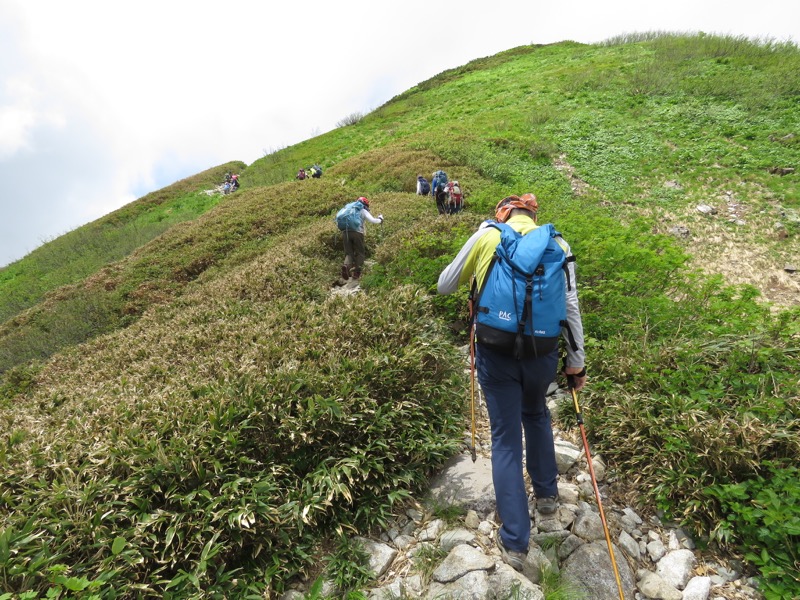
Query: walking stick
(472,366)
(579,418)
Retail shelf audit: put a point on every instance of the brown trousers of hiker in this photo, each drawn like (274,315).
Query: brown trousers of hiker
(353,250)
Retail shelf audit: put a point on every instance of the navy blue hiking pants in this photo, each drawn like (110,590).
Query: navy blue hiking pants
(515,393)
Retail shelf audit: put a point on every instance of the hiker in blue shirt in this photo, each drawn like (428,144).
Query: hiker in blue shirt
(353,238)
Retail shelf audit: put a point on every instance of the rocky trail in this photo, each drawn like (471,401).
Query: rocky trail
(422,556)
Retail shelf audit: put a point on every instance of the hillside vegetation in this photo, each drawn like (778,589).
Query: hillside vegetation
(201,417)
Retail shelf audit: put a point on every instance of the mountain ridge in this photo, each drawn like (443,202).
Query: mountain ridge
(176,361)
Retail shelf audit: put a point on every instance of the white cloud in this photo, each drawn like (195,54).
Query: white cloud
(101,102)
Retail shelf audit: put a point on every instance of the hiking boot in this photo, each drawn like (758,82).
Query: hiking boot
(345,272)
(514,559)
(547,505)
(356,273)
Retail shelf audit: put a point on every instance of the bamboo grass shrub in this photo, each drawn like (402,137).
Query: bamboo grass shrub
(197,482)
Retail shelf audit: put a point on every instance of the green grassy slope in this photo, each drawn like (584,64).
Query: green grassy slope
(210,414)
(81,252)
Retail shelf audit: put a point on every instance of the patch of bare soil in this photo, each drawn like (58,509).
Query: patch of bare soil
(578,185)
(744,246)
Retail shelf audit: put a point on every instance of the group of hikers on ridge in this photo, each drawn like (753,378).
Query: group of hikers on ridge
(231,183)
(447,194)
(351,218)
(523,300)
(314,171)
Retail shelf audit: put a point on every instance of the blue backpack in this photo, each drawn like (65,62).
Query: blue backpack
(522,305)
(439,178)
(424,186)
(349,217)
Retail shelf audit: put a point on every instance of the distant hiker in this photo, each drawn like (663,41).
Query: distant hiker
(440,194)
(227,177)
(316,171)
(438,178)
(234,182)
(454,198)
(423,187)
(301,174)
(350,221)
(516,364)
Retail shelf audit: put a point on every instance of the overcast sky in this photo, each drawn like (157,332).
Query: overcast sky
(104,101)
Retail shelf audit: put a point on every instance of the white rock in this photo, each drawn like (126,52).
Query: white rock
(698,588)
(462,560)
(454,537)
(654,586)
(568,493)
(431,531)
(676,567)
(485,528)
(472,520)
(656,550)
(380,555)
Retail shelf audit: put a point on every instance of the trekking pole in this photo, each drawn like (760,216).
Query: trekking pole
(472,366)
(579,418)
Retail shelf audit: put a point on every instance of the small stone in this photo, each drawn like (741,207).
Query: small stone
(402,542)
(569,545)
(454,537)
(698,588)
(472,520)
(654,586)
(599,469)
(656,550)
(680,231)
(485,528)
(706,209)
(632,515)
(414,515)
(588,526)
(432,531)
(568,493)
(676,567)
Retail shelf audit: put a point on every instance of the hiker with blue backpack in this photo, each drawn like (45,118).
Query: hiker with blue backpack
(350,221)
(524,298)
(423,187)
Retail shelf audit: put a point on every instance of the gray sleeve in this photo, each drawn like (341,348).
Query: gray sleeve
(575,358)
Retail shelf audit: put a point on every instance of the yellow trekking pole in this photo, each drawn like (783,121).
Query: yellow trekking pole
(579,417)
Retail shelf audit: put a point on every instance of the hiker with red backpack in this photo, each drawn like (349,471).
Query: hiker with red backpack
(350,221)
(301,174)
(454,198)
(524,298)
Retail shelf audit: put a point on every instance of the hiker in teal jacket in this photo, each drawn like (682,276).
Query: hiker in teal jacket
(354,247)
(515,389)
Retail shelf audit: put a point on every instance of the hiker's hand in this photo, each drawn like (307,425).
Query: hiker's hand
(578,380)
(381,218)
